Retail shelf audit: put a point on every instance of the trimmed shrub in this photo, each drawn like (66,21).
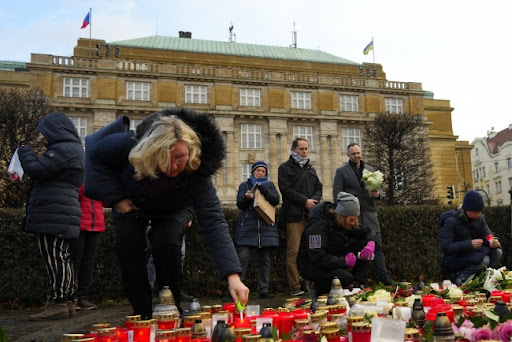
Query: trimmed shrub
(410,237)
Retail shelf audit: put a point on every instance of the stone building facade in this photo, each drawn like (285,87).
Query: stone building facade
(262,97)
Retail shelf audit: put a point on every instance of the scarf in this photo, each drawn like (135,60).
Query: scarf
(298,159)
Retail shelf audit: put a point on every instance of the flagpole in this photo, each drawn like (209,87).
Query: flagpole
(373,53)
(90,31)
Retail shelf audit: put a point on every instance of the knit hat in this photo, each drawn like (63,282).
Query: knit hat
(348,204)
(473,201)
(259,164)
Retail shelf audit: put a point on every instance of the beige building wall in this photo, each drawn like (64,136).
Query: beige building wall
(170,72)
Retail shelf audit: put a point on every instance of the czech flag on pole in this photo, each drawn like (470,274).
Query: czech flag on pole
(86,20)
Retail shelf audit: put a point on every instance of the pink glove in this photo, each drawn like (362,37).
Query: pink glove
(367,251)
(350,260)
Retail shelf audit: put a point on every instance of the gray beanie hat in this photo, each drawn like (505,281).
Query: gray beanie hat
(348,204)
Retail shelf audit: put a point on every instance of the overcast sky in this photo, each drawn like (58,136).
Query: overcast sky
(458,49)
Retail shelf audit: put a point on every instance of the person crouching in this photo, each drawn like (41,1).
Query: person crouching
(330,244)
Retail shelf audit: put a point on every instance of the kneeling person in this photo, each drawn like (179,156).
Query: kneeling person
(330,245)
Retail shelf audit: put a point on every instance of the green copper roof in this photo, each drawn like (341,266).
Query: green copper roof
(233,49)
(12,66)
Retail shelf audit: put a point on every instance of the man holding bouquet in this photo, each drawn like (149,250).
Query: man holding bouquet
(348,178)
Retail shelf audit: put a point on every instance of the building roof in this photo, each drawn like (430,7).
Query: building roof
(234,49)
(12,66)
(499,139)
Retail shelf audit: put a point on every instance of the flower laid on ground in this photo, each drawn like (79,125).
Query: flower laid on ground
(465,331)
(454,291)
(372,180)
(484,333)
(380,294)
(503,331)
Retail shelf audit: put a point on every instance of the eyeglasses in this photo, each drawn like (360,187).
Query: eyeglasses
(181,160)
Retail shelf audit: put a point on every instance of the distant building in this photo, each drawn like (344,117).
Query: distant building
(492,165)
(262,97)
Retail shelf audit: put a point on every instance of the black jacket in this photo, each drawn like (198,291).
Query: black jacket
(53,206)
(296,192)
(456,235)
(324,244)
(165,196)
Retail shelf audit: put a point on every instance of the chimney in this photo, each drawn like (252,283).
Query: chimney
(183,34)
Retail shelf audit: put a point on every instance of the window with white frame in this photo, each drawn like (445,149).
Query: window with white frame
(476,151)
(349,103)
(137,91)
(498,186)
(246,171)
(195,94)
(134,124)
(81,127)
(476,175)
(483,171)
(509,163)
(499,203)
(301,100)
(488,187)
(394,106)
(76,87)
(304,132)
(251,136)
(496,167)
(250,97)
(510,183)
(351,135)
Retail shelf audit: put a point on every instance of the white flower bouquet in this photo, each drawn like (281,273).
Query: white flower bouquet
(372,180)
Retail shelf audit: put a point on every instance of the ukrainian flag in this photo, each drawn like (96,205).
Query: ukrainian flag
(368,48)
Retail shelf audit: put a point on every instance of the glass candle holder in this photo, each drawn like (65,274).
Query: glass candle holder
(107,335)
(286,322)
(129,321)
(142,331)
(167,321)
(183,334)
(361,332)
(165,336)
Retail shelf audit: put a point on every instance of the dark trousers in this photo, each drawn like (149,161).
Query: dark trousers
(56,256)
(322,279)
(83,251)
(379,261)
(166,238)
(244,254)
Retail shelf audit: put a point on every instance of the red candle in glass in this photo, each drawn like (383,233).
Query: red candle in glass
(275,318)
(142,331)
(506,296)
(241,323)
(122,334)
(129,320)
(231,307)
(165,336)
(286,321)
(300,314)
(183,335)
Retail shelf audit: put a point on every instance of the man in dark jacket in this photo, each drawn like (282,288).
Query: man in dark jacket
(348,179)
(53,210)
(301,190)
(468,244)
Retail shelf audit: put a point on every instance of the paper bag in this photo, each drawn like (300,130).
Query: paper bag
(266,210)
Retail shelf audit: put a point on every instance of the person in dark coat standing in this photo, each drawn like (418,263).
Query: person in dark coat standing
(53,210)
(254,232)
(468,245)
(157,175)
(83,249)
(301,191)
(330,245)
(348,179)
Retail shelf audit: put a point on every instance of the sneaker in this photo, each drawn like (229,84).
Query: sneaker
(83,303)
(266,295)
(296,292)
(53,310)
(186,297)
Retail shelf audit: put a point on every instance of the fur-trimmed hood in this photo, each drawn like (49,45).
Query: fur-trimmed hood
(213,148)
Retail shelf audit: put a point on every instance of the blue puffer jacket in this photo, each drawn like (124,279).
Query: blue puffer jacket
(53,206)
(164,197)
(456,235)
(253,230)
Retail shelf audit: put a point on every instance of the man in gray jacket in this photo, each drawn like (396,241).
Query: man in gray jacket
(348,179)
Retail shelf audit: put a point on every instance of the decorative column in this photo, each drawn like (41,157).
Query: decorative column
(273,158)
(325,150)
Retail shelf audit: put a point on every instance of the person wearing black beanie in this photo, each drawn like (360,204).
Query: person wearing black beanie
(468,245)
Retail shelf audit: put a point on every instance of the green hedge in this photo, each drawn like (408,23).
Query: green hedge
(410,235)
